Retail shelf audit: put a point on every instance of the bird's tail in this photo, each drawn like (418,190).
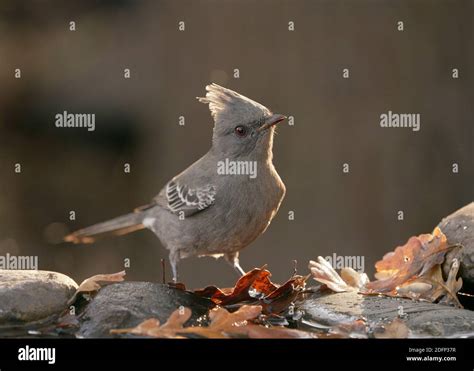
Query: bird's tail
(116,227)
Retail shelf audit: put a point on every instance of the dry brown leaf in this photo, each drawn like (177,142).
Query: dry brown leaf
(414,258)
(279,300)
(238,324)
(453,284)
(414,289)
(324,273)
(223,325)
(357,329)
(255,287)
(354,278)
(397,329)
(94,283)
(349,280)
(257,282)
(151,327)
(414,270)
(431,286)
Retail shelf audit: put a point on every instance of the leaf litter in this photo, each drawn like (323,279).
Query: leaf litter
(223,324)
(411,271)
(258,308)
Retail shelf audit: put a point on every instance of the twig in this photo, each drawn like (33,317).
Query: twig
(163,270)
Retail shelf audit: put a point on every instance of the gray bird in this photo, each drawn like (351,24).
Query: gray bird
(214,207)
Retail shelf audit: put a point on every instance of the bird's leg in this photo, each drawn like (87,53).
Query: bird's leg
(174,260)
(233,260)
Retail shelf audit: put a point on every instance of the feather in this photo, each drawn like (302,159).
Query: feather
(227,105)
(184,199)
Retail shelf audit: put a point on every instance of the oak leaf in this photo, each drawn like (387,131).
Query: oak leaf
(255,287)
(349,280)
(411,260)
(94,283)
(223,324)
(396,329)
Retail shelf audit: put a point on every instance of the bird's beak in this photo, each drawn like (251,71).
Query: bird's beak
(271,121)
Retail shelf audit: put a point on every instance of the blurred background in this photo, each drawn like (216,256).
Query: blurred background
(298,73)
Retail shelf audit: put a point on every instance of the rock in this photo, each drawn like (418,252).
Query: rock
(126,304)
(459,229)
(28,295)
(423,319)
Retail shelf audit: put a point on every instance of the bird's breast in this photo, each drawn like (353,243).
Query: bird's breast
(249,205)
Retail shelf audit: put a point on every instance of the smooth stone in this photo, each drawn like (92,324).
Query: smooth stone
(459,229)
(29,295)
(126,304)
(422,318)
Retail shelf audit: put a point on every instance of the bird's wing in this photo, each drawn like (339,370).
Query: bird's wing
(180,198)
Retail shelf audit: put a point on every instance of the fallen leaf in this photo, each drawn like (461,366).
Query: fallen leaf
(414,258)
(238,324)
(324,273)
(414,289)
(94,283)
(396,329)
(255,287)
(453,284)
(151,327)
(357,329)
(354,278)
(432,287)
(223,325)
(354,329)
(280,300)
(414,271)
(252,285)
(349,280)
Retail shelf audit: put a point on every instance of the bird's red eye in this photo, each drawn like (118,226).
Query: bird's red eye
(241,131)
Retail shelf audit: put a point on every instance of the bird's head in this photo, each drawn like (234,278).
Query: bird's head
(242,127)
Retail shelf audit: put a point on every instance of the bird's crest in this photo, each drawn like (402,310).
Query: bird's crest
(229,106)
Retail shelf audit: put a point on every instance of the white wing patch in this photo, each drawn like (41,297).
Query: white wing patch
(184,199)
(149,222)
